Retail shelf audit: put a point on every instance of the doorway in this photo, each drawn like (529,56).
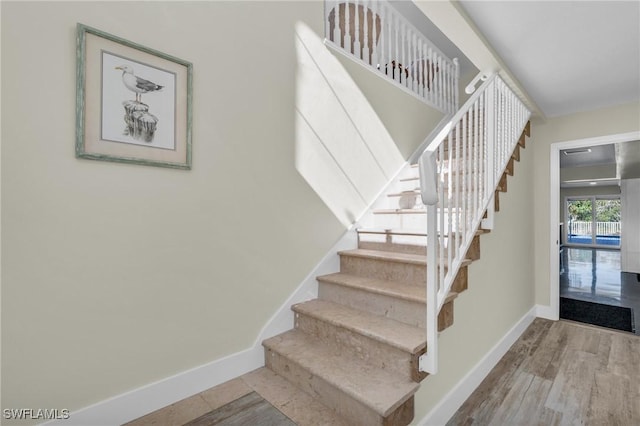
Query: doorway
(557,229)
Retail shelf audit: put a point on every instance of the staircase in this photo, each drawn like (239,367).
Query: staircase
(356,348)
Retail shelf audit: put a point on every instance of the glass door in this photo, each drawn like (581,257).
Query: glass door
(607,224)
(593,221)
(579,221)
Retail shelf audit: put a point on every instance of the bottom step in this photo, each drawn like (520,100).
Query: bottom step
(363,394)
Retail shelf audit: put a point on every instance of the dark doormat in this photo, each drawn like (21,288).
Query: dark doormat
(608,316)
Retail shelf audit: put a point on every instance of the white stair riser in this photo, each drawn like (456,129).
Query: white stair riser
(373,352)
(406,220)
(406,311)
(400,221)
(409,185)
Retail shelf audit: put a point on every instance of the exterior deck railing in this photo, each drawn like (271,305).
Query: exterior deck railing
(586,228)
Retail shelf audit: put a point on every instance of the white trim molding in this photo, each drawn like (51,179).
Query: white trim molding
(451,402)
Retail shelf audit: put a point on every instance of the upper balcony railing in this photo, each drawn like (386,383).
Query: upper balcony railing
(375,34)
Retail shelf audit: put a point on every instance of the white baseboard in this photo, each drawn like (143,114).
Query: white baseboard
(450,403)
(547,312)
(144,400)
(138,402)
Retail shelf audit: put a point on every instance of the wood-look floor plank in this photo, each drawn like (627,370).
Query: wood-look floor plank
(545,361)
(479,408)
(560,373)
(250,409)
(576,372)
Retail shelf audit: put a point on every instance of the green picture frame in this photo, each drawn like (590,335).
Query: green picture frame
(133,103)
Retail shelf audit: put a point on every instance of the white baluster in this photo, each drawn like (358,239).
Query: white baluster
(445,86)
(445,210)
(428,74)
(375,34)
(333,33)
(383,37)
(388,67)
(347,27)
(404,62)
(422,79)
(369,40)
(457,203)
(465,168)
(413,66)
(396,53)
(476,150)
(441,77)
(356,30)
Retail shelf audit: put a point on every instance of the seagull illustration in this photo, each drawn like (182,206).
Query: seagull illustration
(137,84)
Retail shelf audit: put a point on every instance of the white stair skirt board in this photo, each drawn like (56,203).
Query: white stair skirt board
(146,399)
(453,400)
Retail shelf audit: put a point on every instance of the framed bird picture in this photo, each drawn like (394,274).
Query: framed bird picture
(133,103)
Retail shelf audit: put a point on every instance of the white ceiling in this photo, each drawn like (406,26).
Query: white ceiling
(623,157)
(570,56)
(593,156)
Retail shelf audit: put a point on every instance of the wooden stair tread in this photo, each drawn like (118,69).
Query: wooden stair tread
(380,390)
(383,329)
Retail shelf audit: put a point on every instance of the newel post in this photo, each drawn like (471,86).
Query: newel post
(429,192)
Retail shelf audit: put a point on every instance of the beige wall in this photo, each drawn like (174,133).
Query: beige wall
(115,276)
(622,119)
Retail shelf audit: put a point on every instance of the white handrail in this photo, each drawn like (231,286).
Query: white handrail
(375,34)
(459,173)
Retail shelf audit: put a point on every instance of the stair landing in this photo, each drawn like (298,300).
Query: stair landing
(283,397)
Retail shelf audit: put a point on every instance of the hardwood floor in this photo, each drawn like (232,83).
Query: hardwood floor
(560,373)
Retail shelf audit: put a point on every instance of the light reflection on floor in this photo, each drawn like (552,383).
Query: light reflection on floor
(594,275)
